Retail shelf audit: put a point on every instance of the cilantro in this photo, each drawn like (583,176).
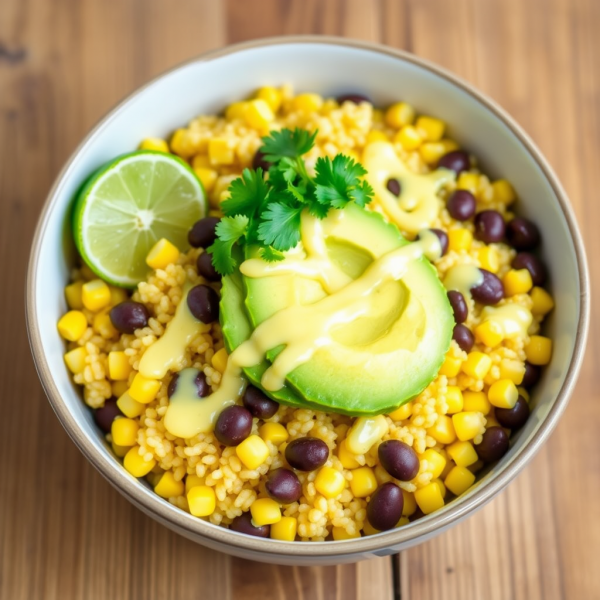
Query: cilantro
(338,182)
(286,143)
(248,194)
(280,226)
(229,230)
(269,254)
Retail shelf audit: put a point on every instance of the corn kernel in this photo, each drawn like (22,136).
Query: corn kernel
(339,534)
(368,529)
(382,475)
(118,388)
(265,511)
(459,480)
(399,114)
(124,431)
(365,432)
(503,192)
(410,505)
(539,350)
(181,144)
(429,498)
(459,239)
(454,399)
(512,369)
(476,402)
(95,294)
(271,95)
(200,161)
(468,181)
(402,412)
(329,482)
(135,463)
(163,253)
(449,145)
(462,453)
(308,102)
(431,152)
(119,451)
(467,425)
(363,482)
(451,366)
(219,360)
(347,458)
(252,452)
(156,144)
(258,114)
(542,302)
(435,462)
(202,500)
(220,152)
(275,433)
(517,282)
(208,177)
(377,115)
(523,392)
(430,128)
(441,485)
(503,393)
(117,295)
(72,325)
(168,486)
(75,360)
(376,136)
(477,365)
(73,295)
(489,259)
(237,110)
(284,529)
(129,407)
(409,137)
(489,333)
(192,481)
(443,430)
(118,365)
(102,325)
(144,390)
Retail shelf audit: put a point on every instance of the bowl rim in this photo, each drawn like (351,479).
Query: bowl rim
(418,531)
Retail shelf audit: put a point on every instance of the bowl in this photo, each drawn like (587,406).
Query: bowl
(330,66)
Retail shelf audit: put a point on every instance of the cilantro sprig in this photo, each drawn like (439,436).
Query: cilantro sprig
(268,212)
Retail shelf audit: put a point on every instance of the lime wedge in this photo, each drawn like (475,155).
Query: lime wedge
(128,205)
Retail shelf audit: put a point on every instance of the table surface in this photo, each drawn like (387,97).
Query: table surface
(64,532)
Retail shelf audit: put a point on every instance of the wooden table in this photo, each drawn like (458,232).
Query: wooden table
(64,532)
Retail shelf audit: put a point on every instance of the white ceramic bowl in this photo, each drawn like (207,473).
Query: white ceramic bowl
(330,66)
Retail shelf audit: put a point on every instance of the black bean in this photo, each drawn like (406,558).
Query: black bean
(464,337)
(259,404)
(203,303)
(385,506)
(532,375)
(443,237)
(105,415)
(525,260)
(284,486)
(243,524)
(355,98)
(489,226)
(129,316)
(457,160)
(393,186)
(461,205)
(203,234)
(205,267)
(489,291)
(515,417)
(459,306)
(522,234)
(201,385)
(233,425)
(259,161)
(494,445)
(307,453)
(398,459)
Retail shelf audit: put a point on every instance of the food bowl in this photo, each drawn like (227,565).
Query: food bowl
(329,66)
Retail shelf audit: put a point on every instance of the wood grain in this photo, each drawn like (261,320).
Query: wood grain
(64,533)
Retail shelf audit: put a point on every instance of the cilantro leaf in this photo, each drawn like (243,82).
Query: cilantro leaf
(229,230)
(316,209)
(338,182)
(280,226)
(248,194)
(269,254)
(286,143)
(363,193)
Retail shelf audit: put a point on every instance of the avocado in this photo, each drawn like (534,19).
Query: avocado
(381,360)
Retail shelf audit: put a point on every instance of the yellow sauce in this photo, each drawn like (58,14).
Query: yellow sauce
(365,432)
(514,319)
(417,206)
(462,278)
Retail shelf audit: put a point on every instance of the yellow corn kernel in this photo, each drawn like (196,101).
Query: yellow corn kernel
(539,350)
(503,393)
(237,110)
(200,161)
(523,392)
(368,529)
(503,192)
(402,412)
(399,114)
(72,325)
(102,325)
(129,407)
(75,360)
(542,302)
(118,388)
(409,137)
(182,144)
(454,399)
(163,253)
(265,511)
(271,95)
(192,481)
(476,402)
(451,366)
(252,451)
(377,115)
(124,431)
(95,294)
(329,482)
(462,453)
(117,295)
(468,181)
(435,462)
(285,529)
(382,475)
(431,152)
(489,259)
(120,451)
(118,366)
(443,430)
(208,177)
(168,486)
(449,145)
(156,144)
(459,480)
(410,505)
(73,295)
(365,432)
(467,425)
(441,485)
(429,498)
(135,463)
(275,433)
(347,458)
(376,136)
(258,114)
(517,281)
(459,239)
(202,500)
(430,128)
(512,369)
(489,333)
(308,102)
(363,482)
(339,534)
(144,390)
(220,152)
(477,365)
(219,360)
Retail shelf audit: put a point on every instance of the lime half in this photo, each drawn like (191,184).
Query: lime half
(128,205)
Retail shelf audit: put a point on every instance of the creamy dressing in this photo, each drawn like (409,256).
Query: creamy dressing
(513,319)
(463,278)
(365,432)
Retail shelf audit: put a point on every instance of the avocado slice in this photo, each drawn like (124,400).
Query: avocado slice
(379,361)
